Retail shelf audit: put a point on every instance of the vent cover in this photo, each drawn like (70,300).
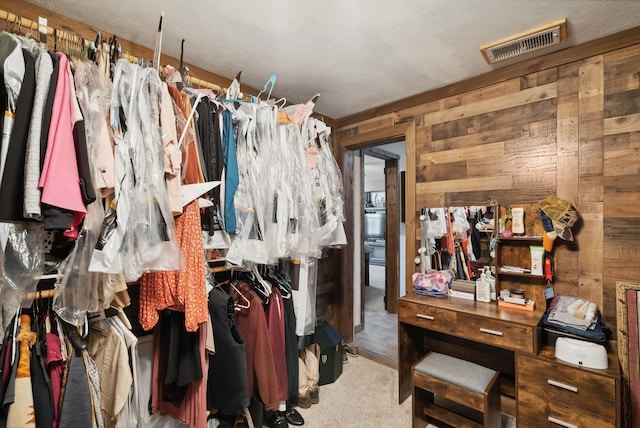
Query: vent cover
(523,43)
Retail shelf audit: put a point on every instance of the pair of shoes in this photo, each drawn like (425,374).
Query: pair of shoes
(304,396)
(304,401)
(351,350)
(312,362)
(293,417)
(278,420)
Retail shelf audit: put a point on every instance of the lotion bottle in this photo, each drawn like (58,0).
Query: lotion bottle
(483,289)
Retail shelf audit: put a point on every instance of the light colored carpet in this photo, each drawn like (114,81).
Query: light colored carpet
(365,395)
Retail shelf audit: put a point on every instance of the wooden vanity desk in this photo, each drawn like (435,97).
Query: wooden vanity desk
(474,331)
(470,330)
(508,340)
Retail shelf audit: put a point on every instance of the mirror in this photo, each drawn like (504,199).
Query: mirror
(459,239)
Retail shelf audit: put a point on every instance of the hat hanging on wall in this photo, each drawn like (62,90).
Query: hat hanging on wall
(558,216)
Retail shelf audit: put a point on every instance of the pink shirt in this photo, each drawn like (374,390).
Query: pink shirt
(60,181)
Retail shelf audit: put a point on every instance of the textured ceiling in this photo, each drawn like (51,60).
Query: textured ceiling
(356,54)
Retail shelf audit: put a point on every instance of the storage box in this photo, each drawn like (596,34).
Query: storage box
(331,349)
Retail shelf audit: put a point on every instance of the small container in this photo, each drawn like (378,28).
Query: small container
(483,289)
(517,222)
(537,256)
(505,293)
(518,294)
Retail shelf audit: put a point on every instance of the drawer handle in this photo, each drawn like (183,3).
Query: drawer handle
(425,317)
(562,385)
(494,332)
(561,423)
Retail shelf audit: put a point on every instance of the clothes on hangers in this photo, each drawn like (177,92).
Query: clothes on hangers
(101,162)
(182,290)
(191,383)
(261,372)
(227,384)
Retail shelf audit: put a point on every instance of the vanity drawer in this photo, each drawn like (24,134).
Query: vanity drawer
(539,411)
(574,386)
(497,332)
(429,317)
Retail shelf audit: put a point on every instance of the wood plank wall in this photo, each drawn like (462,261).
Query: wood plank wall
(571,130)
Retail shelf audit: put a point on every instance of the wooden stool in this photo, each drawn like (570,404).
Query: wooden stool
(456,392)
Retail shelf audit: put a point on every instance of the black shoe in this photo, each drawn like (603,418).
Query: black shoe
(293,417)
(277,420)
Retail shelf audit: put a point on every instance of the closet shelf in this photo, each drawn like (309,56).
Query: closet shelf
(515,273)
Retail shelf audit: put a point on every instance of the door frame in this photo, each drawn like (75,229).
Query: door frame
(346,148)
(392,229)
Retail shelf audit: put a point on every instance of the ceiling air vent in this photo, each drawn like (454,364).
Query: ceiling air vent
(523,43)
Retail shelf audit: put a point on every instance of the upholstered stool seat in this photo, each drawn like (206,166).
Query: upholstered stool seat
(454,391)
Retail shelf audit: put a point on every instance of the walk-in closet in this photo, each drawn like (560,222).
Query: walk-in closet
(322,214)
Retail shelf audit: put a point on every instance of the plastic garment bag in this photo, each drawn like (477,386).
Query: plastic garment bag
(150,243)
(107,257)
(144,235)
(459,224)
(23,252)
(304,298)
(78,290)
(332,179)
(249,202)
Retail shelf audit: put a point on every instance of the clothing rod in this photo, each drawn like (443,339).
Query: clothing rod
(63,35)
(40,294)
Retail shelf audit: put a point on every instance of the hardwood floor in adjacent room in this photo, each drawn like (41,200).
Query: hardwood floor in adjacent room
(379,339)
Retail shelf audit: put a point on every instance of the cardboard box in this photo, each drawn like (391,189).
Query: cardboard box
(529,306)
(331,348)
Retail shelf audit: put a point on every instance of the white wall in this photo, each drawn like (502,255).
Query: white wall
(373,174)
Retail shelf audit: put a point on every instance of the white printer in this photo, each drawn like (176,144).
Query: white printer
(582,353)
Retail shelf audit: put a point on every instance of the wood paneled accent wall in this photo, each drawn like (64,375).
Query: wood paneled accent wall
(571,130)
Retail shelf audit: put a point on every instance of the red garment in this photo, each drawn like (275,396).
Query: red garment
(261,370)
(275,323)
(184,290)
(55,365)
(193,410)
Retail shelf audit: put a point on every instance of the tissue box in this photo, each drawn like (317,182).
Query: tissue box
(582,353)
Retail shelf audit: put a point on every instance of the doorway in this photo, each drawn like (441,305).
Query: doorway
(352,266)
(380,227)
(376,331)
